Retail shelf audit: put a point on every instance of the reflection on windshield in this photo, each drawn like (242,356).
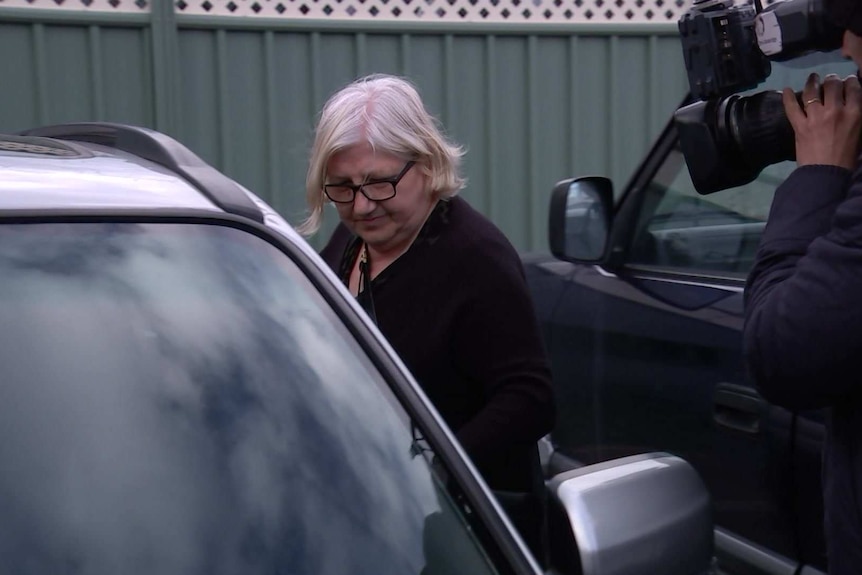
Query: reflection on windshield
(178,399)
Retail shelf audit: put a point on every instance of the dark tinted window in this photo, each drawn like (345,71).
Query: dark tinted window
(716,234)
(682,230)
(179,399)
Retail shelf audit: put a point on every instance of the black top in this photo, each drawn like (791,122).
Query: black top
(803,332)
(456,308)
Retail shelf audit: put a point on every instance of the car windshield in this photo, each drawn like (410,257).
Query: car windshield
(179,399)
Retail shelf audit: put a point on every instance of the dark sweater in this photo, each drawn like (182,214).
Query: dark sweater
(456,308)
(803,332)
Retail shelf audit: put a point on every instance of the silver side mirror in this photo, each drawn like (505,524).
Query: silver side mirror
(580,217)
(641,514)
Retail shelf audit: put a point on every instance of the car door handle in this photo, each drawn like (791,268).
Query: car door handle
(737,407)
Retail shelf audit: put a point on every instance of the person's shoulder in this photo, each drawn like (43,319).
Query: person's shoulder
(479,243)
(474,230)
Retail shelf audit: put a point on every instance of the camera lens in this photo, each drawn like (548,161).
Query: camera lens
(728,142)
(759,129)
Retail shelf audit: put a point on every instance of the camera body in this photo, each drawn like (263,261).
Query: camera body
(728,139)
(720,48)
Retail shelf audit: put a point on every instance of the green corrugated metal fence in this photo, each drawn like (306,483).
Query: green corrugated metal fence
(533,105)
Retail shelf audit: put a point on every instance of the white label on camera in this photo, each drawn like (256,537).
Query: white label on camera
(768,33)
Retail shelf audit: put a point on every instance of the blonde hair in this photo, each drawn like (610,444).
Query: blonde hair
(387,113)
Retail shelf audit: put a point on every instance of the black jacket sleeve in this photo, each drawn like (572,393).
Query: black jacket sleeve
(498,343)
(803,329)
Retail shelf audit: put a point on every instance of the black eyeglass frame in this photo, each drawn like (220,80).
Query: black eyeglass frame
(360,187)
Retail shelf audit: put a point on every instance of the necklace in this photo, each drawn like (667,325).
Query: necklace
(364,294)
(363,269)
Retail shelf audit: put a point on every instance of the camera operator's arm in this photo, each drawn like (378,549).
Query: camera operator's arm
(804,293)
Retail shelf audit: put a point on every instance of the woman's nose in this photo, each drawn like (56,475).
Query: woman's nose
(361,204)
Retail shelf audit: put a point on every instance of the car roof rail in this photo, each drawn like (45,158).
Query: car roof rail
(163,150)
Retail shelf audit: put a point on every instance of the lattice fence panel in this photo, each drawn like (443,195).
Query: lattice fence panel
(134,6)
(515,11)
(443,11)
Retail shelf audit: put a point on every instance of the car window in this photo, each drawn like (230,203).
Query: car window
(180,399)
(678,229)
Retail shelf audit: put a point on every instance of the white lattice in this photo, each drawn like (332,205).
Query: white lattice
(136,6)
(514,11)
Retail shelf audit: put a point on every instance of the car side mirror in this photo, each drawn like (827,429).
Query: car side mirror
(580,218)
(648,513)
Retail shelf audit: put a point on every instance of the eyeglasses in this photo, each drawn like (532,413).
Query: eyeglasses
(376,190)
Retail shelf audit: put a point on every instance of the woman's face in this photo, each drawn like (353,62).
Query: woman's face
(388,226)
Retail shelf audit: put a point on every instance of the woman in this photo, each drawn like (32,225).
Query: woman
(442,282)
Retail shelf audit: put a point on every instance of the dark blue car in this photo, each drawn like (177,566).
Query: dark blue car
(641,305)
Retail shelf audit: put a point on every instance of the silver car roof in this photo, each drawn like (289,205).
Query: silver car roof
(44,173)
(92,176)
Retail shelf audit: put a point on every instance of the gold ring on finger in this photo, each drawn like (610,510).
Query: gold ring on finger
(812,100)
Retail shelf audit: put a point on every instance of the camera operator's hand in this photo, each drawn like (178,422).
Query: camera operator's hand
(827,121)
